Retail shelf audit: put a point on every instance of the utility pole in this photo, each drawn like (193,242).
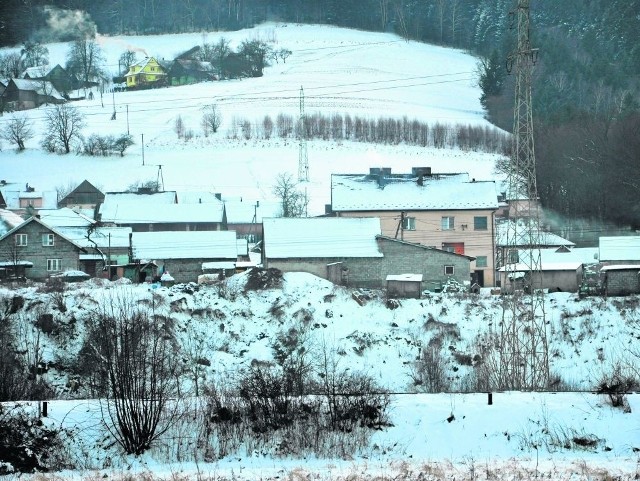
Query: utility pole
(523,351)
(160,178)
(113,96)
(303,159)
(142,143)
(127,119)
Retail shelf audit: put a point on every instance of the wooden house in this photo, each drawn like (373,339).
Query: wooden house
(146,73)
(85,197)
(63,80)
(443,211)
(22,94)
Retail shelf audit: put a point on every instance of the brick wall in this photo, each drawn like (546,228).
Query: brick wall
(399,258)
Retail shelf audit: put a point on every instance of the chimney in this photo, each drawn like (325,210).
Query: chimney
(420,171)
(380,174)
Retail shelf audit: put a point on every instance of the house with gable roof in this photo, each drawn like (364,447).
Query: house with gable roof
(352,252)
(49,250)
(85,197)
(60,78)
(22,94)
(443,211)
(146,73)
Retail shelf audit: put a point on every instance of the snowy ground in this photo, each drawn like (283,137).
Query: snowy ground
(342,71)
(450,434)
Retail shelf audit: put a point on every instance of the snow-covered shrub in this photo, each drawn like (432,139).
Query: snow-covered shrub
(260,279)
(27,445)
(615,385)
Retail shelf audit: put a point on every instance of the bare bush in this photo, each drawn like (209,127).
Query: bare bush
(138,354)
(428,372)
(615,385)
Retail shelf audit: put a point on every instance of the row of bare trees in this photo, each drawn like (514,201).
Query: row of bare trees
(64,124)
(384,130)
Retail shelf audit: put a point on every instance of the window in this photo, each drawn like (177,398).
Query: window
(455,247)
(47,240)
(409,223)
(447,223)
(480,223)
(21,240)
(514,258)
(481,261)
(448,270)
(53,265)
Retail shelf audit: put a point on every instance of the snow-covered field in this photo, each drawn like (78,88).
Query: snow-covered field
(341,71)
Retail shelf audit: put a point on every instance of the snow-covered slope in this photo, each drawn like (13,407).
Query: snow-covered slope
(232,329)
(342,71)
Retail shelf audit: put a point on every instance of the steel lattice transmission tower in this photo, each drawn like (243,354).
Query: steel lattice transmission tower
(523,350)
(303,158)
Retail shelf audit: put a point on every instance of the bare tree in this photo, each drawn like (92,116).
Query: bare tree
(137,350)
(85,59)
(178,126)
(293,201)
(267,127)
(64,124)
(126,60)
(211,119)
(17,131)
(11,65)
(34,54)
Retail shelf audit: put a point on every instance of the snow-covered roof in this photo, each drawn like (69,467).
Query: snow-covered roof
(207,266)
(619,248)
(562,256)
(154,198)
(41,87)
(185,245)
(12,197)
(146,213)
(64,217)
(523,235)
(621,267)
(405,277)
(544,266)
(242,211)
(9,220)
(316,237)
(35,72)
(102,237)
(197,197)
(447,192)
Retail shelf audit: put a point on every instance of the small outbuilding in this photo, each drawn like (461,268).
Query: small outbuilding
(620,279)
(404,285)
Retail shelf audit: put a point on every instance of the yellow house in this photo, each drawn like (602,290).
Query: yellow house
(145,73)
(443,211)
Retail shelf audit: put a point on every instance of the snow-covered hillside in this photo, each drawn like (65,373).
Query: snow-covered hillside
(232,329)
(342,71)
